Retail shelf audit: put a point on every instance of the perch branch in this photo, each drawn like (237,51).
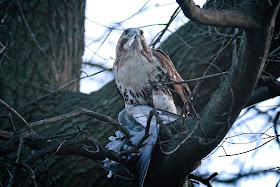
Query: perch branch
(220,18)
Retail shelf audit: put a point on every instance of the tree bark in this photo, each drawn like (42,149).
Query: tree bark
(44,41)
(191,49)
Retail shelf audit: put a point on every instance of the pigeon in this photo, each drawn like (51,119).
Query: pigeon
(134,118)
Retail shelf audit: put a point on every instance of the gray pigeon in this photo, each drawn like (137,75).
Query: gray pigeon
(134,119)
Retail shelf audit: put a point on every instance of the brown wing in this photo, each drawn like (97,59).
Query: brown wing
(182,90)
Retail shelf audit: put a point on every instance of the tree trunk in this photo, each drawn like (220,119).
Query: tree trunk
(45,53)
(45,48)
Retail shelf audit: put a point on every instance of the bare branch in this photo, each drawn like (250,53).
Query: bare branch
(276,124)
(174,15)
(72,146)
(202,180)
(3,47)
(226,155)
(96,115)
(195,79)
(4,135)
(97,66)
(220,18)
(213,61)
(61,88)
(17,159)
(58,148)
(145,136)
(140,10)
(270,90)
(13,111)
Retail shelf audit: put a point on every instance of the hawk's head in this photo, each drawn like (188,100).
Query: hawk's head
(132,39)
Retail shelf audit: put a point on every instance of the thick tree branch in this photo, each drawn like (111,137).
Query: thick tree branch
(225,104)
(71,146)
(220,18)
(264,93)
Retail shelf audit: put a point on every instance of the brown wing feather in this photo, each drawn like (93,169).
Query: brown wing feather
(182,89)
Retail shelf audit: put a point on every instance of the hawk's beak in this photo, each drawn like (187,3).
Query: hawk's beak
(132,35)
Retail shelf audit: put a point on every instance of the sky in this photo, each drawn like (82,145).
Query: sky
(111,13)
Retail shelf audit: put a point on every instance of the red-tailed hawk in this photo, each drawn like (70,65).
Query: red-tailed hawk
(140,71)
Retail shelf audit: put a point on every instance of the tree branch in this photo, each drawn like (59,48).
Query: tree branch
(72,146)
(13,111)
(195,79)
(96,115)
(145,136)
(205,181)
(220,18)
(227,101)
(91,64)
(263,94)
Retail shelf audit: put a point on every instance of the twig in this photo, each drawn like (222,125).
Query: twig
(90,151)
(80,14)
(20,137)
(110,31)
(196,79)
(60,88)
(248,150)
(140,10)
(275,123)
(12,123)
(216,57)
(33,172)
(13,111)
(58,148)
(4,135)
(3,47)
(145,136)
(273,52)
(202,180)
(97,66)
(270,3)
(26,168)
(181,142)
(174,15)
(49,173)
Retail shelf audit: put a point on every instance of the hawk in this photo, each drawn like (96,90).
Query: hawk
(139,72)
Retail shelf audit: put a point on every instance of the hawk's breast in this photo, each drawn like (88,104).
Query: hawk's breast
(134,76)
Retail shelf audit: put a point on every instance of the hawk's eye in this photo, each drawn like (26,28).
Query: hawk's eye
(126,31)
